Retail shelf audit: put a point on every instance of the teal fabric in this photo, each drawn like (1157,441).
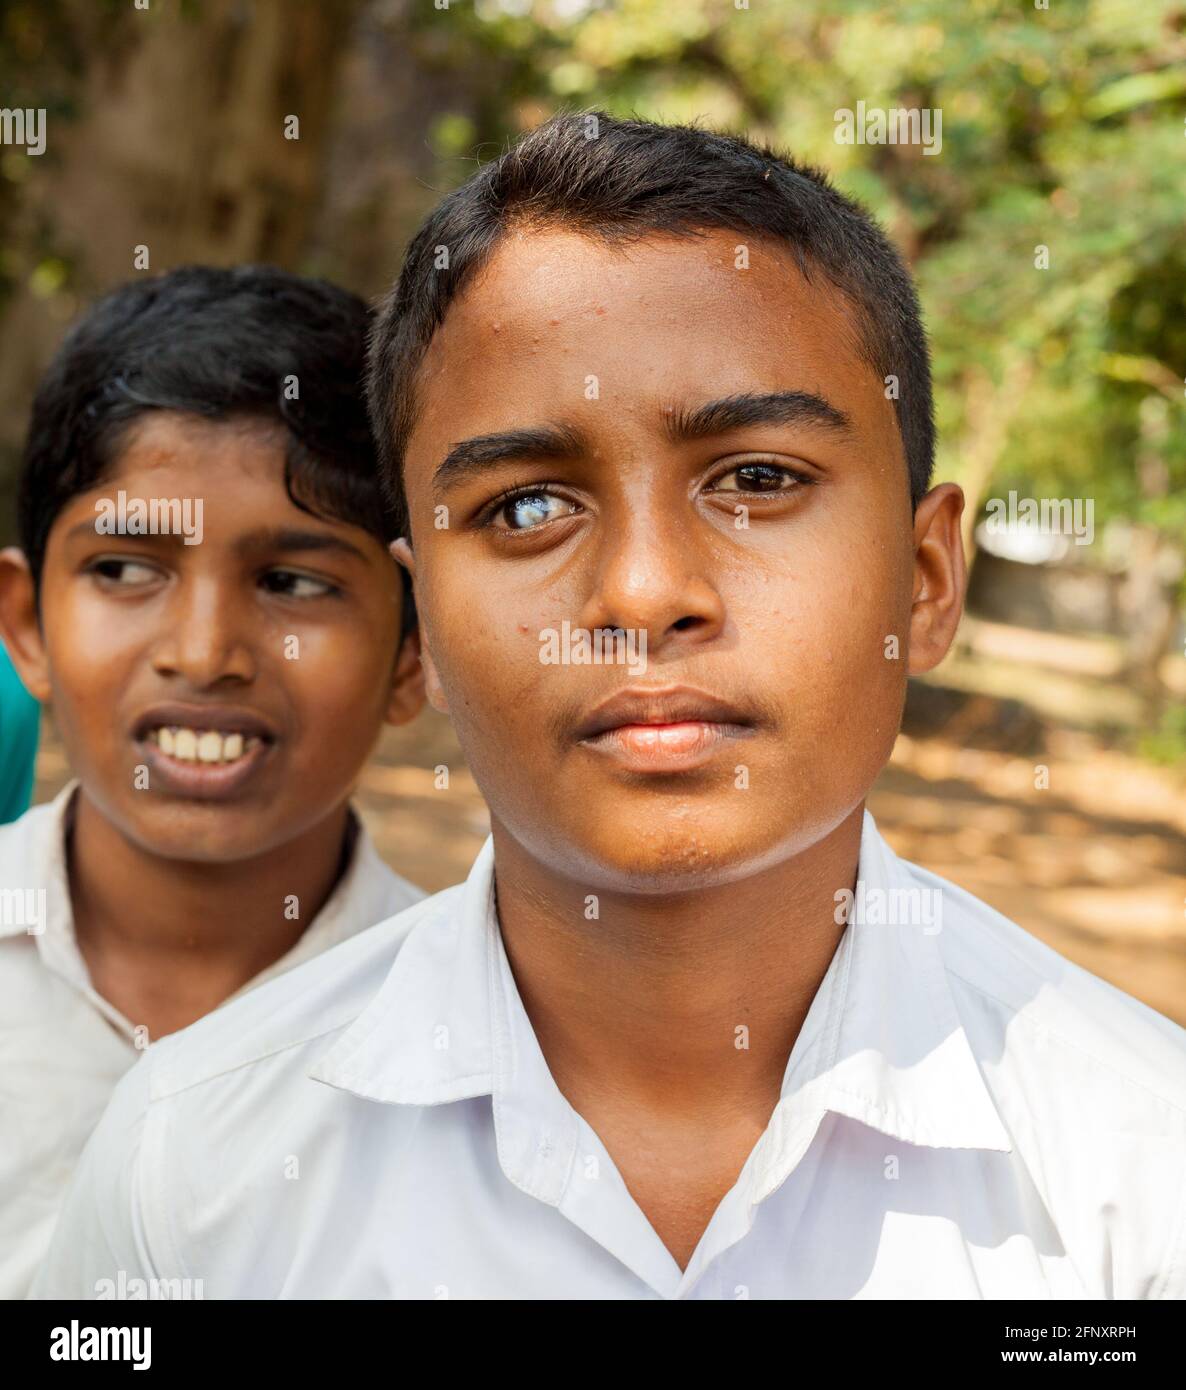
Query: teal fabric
(20,717)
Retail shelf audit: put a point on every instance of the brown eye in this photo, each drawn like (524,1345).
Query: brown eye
(758,477)
(124,573)
(293,584)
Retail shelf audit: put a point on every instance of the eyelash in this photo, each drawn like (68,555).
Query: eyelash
(801,478)
(97,567)
(486,516)
(490,511)
(330,589)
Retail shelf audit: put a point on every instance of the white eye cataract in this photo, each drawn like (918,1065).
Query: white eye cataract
(532,509)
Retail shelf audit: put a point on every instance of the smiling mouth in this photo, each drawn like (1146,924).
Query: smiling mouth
(205,754)
(206,746)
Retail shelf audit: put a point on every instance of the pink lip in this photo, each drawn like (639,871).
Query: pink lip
(676,747)
(201,781)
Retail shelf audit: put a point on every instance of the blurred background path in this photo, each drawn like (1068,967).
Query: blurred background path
(1094,864)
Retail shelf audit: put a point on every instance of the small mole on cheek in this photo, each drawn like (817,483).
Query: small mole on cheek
(496,327)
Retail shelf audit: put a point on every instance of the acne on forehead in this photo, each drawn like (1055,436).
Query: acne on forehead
(558,298)
(531,273)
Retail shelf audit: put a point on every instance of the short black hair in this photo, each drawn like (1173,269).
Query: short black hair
(219,343)
(621,180)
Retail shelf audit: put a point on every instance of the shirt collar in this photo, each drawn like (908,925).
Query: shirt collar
(361,897)
(882,1042)
(44,829)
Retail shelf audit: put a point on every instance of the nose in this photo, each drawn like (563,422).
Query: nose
(653,573)
(205,643)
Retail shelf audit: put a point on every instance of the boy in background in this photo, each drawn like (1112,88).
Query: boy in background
(690,1029)
(205,598)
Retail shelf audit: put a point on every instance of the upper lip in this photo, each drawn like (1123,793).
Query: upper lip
(226,719)
(673,704)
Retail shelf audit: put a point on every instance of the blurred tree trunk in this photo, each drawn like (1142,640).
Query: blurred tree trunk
(1147,595)
(179,145)
(990,412)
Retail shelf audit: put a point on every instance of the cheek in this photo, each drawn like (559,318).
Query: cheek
(486,669)
(486,654)
(824,628)
(341,679)
(91,655)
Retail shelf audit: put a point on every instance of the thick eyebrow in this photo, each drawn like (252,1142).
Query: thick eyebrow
(471,456)
(742,410)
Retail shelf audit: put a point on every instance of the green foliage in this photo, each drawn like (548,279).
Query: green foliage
(1167,743)
(1062,127)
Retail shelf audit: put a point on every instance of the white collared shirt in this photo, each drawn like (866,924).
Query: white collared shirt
(63,1047)
(965,1114)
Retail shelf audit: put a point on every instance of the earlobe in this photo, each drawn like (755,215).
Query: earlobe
(429,685)
(432,682)
(940,576)
(407,682)
(401,553)
(20,629)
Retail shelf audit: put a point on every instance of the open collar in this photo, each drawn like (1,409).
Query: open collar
(882,1042)
(38,856)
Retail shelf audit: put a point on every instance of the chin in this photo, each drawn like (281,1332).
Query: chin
(670,854)
(201,835)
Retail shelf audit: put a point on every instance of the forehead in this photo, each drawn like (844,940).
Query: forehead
(657,322)
(170,441)
(234,466)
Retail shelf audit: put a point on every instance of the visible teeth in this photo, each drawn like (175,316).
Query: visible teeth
(210,748)
(202,745)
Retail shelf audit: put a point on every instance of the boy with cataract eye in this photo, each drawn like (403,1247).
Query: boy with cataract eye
(690,1029)
(206,600)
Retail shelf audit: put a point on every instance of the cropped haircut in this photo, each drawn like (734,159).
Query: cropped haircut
(249,342)
(618,181)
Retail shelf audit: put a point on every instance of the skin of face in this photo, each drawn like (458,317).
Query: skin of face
(802,612)
(130,624)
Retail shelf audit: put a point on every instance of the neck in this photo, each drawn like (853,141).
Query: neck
(167,940)
(689,1003)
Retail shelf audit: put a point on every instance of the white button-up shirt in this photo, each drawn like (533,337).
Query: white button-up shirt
(63,1047)
(965,1114)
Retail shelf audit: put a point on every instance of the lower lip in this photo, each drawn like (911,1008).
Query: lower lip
(665,747)
(202,781)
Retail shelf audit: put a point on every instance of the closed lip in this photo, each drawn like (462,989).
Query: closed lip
(226,719)
(660,705)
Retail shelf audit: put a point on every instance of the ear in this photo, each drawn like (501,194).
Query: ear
(406,699)
(20,629)
(401,551)
(940,577)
